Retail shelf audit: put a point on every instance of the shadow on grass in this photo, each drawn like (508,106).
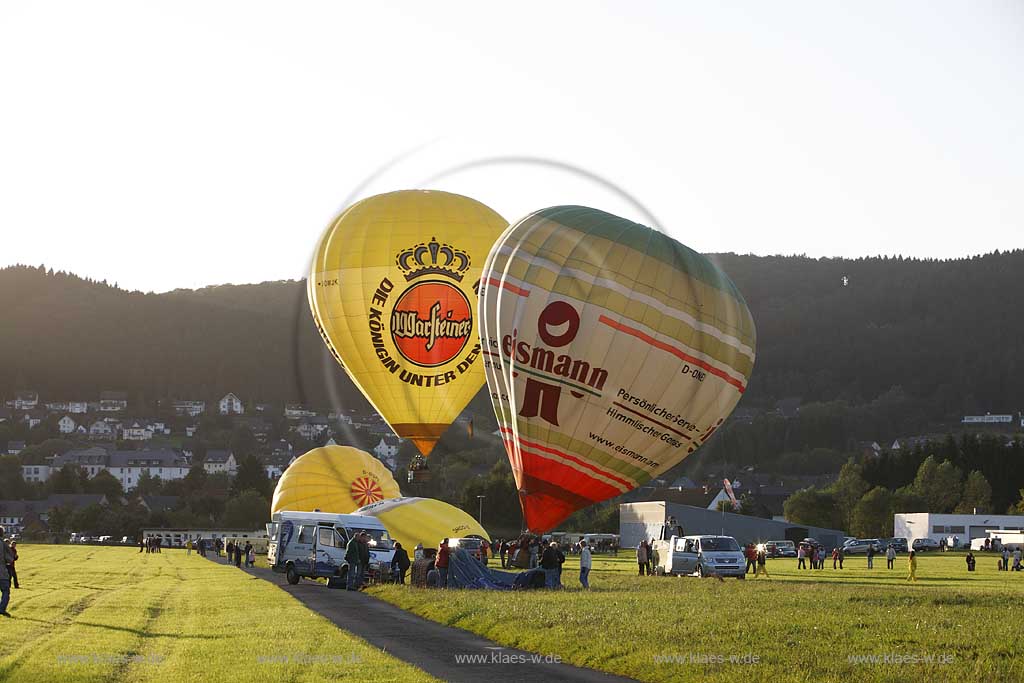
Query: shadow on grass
(139,632)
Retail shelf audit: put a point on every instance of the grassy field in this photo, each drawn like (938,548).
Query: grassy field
(796,626)
(113,614)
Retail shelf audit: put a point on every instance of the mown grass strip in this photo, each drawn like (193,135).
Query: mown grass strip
(124,616)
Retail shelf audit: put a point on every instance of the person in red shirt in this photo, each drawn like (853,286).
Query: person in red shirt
(441,564)
(750,552)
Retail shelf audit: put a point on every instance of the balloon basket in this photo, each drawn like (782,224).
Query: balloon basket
(419,471)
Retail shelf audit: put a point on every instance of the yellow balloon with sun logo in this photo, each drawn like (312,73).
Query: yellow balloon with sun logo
(423,520)
(393,291)
(335,479)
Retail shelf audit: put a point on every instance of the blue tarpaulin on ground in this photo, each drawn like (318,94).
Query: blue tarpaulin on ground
(465,571)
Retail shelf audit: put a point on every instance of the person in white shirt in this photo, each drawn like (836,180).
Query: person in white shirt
(585,564)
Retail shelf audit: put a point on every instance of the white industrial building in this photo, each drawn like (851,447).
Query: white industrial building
(913,525)
(175,538)
(647,519)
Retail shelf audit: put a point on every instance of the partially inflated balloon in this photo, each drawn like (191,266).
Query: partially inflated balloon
(393,291)
(335,479)
(423,520)
(612,353)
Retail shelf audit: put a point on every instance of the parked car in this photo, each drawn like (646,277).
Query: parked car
(472,545)
(781,548)
(859,546)
(313,544)
(923,544)
(900,545)
(699,556)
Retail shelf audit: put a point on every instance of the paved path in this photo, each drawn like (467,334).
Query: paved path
(428,644)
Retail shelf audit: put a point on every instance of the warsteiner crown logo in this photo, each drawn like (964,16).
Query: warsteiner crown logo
(433,258)
(432,320)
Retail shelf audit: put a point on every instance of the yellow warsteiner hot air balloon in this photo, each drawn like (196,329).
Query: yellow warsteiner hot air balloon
(422,520)
(393,290)
(612,353)
(335,479)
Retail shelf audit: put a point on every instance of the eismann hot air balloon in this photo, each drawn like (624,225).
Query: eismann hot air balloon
(393,291)
(612,353)
(423,520)
(335,479)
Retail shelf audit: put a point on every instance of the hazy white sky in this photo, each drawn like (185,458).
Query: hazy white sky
(192,143)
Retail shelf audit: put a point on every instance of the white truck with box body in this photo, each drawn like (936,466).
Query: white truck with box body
(312,544)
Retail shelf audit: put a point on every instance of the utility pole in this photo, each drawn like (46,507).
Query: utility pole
(480,514)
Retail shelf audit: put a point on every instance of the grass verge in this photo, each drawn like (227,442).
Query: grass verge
(113,614)
(850,624)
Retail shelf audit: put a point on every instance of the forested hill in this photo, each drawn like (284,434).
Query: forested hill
(950,333)
(67,337)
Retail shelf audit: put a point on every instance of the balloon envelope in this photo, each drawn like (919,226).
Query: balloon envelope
(423,520)
(393,291)
(612,353)
(335,479)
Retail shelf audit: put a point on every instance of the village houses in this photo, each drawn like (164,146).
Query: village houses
(220,461)
(230,405)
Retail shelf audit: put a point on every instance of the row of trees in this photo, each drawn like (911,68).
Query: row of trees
(248,511)
(992,456)
(853,504)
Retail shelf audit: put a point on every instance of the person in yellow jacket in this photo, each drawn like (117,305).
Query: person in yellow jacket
(912,576)
(762,556)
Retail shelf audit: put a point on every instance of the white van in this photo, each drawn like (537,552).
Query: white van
(700,556)
(312,544)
